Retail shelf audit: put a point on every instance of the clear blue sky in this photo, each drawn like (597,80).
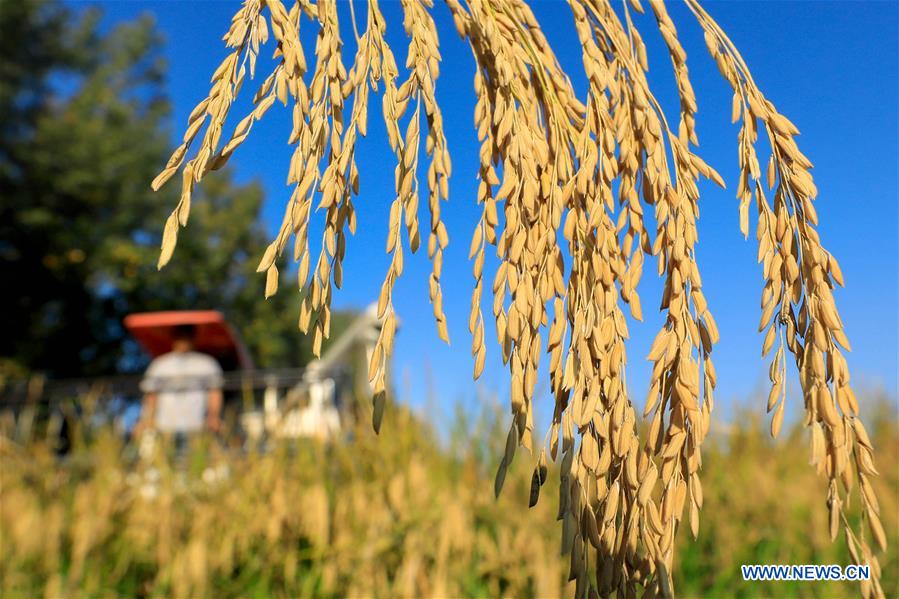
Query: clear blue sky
(830,66)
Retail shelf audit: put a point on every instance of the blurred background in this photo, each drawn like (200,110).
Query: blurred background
(295,495)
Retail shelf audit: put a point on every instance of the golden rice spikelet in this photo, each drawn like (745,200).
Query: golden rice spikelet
(565,184)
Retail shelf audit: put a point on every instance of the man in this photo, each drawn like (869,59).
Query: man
(182,389)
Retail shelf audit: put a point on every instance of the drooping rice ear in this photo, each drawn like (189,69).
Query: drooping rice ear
(550,166)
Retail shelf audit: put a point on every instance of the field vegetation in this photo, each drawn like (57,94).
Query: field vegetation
(399,515)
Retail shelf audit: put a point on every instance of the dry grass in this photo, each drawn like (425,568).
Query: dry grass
(549,162)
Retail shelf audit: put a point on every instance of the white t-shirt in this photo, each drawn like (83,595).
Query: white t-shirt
(181,381)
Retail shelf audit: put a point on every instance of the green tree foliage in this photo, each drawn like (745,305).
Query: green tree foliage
(83,131)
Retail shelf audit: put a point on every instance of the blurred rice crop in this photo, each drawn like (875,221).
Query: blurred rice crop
(400,515)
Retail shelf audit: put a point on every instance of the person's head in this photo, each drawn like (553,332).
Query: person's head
(183,337)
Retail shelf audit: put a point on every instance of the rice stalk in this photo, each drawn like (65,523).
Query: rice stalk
(549,162)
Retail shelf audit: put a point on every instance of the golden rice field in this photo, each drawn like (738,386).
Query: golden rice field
(399,515)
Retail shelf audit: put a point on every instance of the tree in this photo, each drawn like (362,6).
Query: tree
(82,129)
(71,113)
(577,180)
